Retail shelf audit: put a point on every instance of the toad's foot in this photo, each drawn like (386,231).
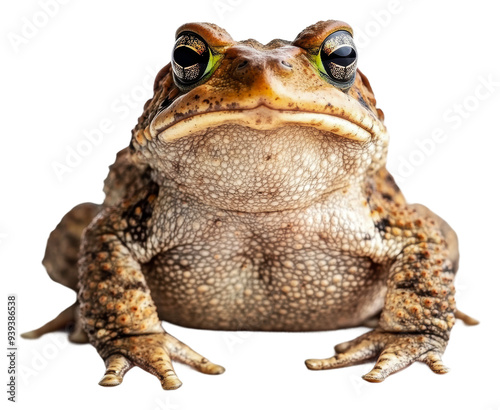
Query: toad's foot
(153,353)
(393,352)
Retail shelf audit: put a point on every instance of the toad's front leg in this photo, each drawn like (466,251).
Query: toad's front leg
(118,313)
(419,308)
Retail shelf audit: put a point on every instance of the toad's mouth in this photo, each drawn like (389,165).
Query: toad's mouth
(260,118)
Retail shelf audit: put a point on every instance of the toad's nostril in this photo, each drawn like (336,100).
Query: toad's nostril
(242,64)
(286,63)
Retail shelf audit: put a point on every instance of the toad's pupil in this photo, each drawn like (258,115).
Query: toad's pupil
(186,57)
(343,56)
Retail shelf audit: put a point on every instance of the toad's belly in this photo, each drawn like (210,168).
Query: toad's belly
(302,291)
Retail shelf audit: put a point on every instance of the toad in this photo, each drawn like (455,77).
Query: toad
(254,196)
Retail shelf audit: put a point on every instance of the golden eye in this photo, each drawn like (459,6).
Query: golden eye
(337,58)
(192,58)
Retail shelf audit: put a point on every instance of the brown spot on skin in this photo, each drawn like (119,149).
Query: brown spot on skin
(415,309)
(106,266)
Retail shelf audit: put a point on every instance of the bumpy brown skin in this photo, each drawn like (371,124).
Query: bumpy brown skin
(230,210)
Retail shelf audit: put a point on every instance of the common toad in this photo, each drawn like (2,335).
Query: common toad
(254,196)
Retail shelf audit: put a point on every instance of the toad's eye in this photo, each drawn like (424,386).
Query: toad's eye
(192,59)
(337,59)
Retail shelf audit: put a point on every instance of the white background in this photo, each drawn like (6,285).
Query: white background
(424,59)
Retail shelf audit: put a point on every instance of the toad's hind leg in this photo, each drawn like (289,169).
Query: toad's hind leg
(68,319)
(60,261)
(61,253)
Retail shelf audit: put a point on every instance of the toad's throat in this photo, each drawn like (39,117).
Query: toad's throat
(260,118)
